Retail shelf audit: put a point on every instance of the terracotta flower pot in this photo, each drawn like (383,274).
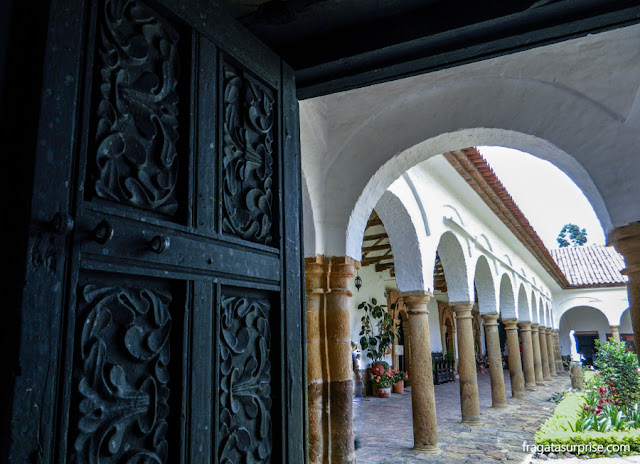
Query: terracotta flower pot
(398,387)
(384,392)
(377,368)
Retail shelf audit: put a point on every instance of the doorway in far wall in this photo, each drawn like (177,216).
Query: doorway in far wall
(586,342)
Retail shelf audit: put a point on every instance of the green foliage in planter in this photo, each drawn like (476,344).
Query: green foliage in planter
(557,429)
(619,369)
(378,330)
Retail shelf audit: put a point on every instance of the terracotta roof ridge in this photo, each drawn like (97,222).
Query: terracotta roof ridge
(516,221)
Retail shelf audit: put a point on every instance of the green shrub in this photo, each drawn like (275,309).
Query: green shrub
(557,430)
(619,369)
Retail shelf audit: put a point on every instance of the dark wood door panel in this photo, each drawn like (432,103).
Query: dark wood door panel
(248,403)
(132,243)
(126,386)
(164,312)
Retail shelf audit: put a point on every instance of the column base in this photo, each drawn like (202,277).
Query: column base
(500,405)
(548,379)
(540,384)
(472,421)
(531,388)
(520,396)
(428,449)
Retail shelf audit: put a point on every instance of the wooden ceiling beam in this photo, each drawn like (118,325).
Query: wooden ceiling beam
(386,246)
(375,237)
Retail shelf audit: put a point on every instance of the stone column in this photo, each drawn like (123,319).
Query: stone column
(338,336)
(469,399)
(423,398)
(515,365)
(498,395)
(527,356)
(557,351)
(627,241)
(552,362)
(406,329)
(537,357)
(615,332)
(544,355)
(443,331)
(317,398)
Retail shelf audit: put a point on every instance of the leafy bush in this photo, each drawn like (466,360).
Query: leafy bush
(560,429)
(378,329)
(619,369)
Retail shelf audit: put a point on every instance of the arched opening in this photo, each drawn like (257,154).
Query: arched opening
(590,324)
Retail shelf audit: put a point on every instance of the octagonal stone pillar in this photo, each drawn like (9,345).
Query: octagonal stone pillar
(544,354)
(615,332)
(469,399)
(423,399)
(537,358)
(550,351)
(498,395)
(557,351)
(515,365)
(340,368)
(527,356)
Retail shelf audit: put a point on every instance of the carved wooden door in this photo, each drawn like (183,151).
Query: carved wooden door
(162,313)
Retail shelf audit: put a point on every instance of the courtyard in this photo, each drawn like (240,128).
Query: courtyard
(383,426)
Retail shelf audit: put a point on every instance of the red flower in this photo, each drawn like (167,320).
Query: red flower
(602,390)
(585,407)
(598,410)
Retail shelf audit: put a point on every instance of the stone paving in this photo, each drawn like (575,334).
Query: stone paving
(384,428)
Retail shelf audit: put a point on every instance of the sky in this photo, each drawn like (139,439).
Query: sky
(546,195)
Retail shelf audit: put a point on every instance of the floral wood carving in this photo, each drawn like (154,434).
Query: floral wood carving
(249,116)
(137,108)
(245,376)
(122,377)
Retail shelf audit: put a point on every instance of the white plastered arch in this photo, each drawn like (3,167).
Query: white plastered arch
(407,237)
(524,308)
(485,286)
(612,315)
(507,298)
(395,166)
(456,268)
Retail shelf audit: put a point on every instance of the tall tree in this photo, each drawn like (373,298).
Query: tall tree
(577,236)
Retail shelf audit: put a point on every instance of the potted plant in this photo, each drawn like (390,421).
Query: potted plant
(482,362)
(399,377)
(378,330)
(384,382)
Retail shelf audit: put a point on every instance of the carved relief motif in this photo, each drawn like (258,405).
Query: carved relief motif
(245,376)
(249,116)
(121,375)
(137,108)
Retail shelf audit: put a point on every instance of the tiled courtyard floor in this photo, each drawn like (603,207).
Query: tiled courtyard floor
(384,428)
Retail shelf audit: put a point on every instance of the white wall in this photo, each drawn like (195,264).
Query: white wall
(612,301)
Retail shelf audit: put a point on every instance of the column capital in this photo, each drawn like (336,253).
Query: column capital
(525,325)
(491,320)
(626,241)
(416,301)
(535,327)
(614,327)
(462,310)
(341,269)
(510,324)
